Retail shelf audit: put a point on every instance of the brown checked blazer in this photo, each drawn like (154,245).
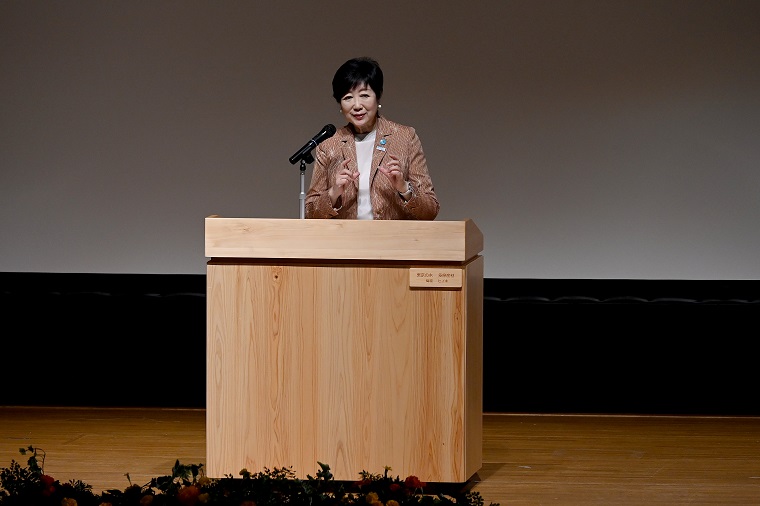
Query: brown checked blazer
(391,138)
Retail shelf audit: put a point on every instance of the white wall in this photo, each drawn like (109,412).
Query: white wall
(587,139)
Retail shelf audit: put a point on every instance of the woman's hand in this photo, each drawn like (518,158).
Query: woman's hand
(392,170)
(345,176)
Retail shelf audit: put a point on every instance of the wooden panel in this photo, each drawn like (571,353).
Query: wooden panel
(342,239)
(343,365)
(474,366)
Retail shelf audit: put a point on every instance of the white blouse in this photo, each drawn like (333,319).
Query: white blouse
(364,161)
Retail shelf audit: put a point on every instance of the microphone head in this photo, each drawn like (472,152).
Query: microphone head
(327,132)
(305,152)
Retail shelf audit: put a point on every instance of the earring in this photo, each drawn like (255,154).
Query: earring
(379,106)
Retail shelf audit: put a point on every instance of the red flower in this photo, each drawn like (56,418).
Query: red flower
(188,496)
(413,482)
(48,484)
(393,487)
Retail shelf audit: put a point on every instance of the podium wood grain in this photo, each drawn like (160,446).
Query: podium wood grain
(434,241)
(342,364)
(319,349)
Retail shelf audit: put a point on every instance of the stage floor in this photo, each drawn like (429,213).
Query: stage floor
(527,459)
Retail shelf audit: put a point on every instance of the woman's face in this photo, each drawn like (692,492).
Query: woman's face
(359,106)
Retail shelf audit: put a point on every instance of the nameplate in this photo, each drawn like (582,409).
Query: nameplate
(435,278)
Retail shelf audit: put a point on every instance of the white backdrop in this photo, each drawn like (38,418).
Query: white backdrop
(587,139)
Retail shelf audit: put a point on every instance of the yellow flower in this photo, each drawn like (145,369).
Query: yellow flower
(67,501)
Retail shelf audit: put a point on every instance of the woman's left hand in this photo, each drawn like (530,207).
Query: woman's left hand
(392,170)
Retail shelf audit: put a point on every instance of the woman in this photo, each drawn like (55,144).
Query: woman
(372,168)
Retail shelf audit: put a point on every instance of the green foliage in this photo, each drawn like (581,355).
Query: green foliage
(187,485)
(30,486)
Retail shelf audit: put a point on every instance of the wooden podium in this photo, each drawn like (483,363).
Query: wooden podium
(356,344)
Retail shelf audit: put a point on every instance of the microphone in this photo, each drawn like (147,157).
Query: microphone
(305,152)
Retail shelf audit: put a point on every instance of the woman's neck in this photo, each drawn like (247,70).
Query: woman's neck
(360,136)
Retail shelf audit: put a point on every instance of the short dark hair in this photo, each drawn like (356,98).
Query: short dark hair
(357,71)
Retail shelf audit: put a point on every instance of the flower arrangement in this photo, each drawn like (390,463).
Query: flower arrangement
(188,486)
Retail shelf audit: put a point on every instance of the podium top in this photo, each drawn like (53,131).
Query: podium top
(416,240)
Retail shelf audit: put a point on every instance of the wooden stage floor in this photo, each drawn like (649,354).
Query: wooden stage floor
(527,459)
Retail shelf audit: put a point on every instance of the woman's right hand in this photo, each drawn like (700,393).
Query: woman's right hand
(344,176)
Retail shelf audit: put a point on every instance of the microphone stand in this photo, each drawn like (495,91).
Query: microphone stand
(302,196)
(305,156)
